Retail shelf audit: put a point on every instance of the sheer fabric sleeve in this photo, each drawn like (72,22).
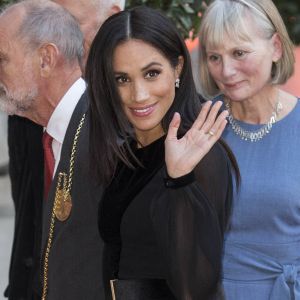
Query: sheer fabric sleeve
(188,222)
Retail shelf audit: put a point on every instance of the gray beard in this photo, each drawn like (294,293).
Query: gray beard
(16,103)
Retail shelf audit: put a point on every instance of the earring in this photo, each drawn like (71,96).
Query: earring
(177,83)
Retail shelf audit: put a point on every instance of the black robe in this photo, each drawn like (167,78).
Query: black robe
(26,165)
(75,261)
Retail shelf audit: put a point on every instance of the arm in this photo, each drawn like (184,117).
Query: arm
(190,236)
(187,221)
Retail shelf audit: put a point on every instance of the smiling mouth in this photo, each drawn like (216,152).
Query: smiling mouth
(233,85)
(143,111)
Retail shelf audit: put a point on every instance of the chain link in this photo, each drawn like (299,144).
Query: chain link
(50,238)
(73,153)
(256,135)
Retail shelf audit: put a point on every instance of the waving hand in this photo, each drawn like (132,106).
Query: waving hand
(182,155)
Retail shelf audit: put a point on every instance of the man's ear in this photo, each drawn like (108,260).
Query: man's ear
(277,47)
(179,66)
(48,56)
(113,10)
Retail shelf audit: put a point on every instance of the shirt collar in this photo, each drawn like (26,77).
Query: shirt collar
(61,116)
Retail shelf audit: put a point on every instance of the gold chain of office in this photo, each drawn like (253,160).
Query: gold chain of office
(62,204)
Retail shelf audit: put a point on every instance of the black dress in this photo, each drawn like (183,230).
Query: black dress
(158,228)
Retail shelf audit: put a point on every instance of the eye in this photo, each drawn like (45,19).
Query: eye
(239,53)
(213,58)
(121,79)
(152,74)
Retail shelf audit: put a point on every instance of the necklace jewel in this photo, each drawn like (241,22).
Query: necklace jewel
(253,136)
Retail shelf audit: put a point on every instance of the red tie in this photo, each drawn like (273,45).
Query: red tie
(48,162)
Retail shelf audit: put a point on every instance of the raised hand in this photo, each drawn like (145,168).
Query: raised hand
(182,155)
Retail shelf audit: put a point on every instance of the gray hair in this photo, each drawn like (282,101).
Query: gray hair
(228,17)
(46,22)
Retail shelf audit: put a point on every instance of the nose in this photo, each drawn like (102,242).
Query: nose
(140,92)
(228,69)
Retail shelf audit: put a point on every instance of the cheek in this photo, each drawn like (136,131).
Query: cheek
(214,71)
(125,96)
(251,67)
(165,85)
(164,89)
(258,66)
(165,93)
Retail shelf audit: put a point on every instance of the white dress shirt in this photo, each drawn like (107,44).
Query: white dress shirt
(61,116)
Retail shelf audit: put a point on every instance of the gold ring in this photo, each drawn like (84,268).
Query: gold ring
(211,133)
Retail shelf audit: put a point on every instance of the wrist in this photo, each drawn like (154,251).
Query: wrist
(176,173)
(177,182)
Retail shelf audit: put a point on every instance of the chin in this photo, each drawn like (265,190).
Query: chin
(236,96)
(7,107)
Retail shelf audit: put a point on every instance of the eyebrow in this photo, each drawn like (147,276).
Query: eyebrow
(151,65)
(143,69)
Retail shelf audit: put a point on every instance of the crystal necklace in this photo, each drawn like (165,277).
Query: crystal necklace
(256,135)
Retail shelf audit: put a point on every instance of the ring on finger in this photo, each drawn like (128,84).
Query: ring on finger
(211,133)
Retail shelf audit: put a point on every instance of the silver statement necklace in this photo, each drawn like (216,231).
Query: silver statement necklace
(256,135)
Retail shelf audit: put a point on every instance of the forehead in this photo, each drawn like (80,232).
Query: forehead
(250,41)
(226,33)
(9,25)
(136,53)
(237,23)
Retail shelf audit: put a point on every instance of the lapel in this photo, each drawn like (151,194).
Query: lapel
(64,163)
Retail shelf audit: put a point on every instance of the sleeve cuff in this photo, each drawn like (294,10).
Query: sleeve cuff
(175,183)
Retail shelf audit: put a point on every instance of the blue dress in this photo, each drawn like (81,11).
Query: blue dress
(262,247)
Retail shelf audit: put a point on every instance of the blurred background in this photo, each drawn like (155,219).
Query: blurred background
(187,16)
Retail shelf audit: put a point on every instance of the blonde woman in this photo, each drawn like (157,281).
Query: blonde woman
(245,55)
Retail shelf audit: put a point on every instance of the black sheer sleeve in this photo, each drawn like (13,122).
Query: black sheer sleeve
(189,223)
(214,174)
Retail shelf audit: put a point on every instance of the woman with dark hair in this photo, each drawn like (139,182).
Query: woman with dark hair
(167,179)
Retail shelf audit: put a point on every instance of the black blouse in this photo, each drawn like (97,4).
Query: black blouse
(156,227)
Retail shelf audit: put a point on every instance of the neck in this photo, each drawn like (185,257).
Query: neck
(145,138)
(258,109)
(51,93)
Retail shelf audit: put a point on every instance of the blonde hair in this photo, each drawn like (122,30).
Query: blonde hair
(229,18)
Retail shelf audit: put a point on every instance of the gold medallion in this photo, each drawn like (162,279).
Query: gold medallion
(64,206)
